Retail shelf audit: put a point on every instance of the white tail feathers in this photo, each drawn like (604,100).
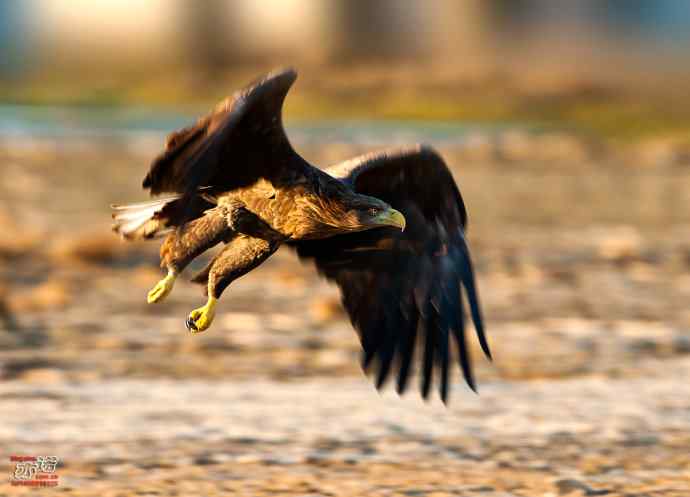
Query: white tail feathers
(142,220)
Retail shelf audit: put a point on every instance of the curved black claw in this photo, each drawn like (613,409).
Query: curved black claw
(190,325)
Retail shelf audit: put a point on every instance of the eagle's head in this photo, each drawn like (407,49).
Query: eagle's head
(369,212)
(355,212)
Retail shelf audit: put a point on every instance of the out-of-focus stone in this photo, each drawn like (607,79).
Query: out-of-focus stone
(681,344)
(332,358)
(52,294)
(95,248)
(619,243)
(146,276)
(479,147)
(655,152)
(43,376)
(561,147)
(15,240)
(326,309)
(515,146)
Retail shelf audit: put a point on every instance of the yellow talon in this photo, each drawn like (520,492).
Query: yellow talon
(200,319)
(162,288)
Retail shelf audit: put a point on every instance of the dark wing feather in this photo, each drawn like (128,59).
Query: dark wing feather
(239,142)
(400,288)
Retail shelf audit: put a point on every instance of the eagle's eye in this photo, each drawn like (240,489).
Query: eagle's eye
(373,211)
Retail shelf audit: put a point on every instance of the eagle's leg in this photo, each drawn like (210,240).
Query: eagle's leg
(240,256)
(183,245)
(162,288)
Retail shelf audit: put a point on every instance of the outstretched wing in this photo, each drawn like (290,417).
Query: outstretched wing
(241,141)
(405,288)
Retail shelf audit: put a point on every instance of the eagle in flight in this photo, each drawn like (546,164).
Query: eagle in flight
(387,228)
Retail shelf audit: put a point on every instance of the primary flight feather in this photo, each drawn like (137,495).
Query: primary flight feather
(387,228)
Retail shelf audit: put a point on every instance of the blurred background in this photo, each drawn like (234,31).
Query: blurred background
(567,127)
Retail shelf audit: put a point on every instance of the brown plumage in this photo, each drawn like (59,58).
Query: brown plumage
(388,228)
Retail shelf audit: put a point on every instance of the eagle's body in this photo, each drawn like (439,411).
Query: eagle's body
(235,179)
(288,206)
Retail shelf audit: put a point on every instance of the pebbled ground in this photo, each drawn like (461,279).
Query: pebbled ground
(583,261)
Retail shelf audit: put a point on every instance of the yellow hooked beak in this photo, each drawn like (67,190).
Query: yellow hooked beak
(391,217)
